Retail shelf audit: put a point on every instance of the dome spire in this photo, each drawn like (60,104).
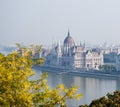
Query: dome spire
(68,33)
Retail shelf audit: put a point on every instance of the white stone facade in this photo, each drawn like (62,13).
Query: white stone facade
(94,60)
(71,56)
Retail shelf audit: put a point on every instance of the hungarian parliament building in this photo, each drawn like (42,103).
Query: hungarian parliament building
(70,55)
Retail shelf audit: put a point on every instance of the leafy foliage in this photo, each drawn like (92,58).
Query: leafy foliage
(16,90)
(43,95)
(111,100)
(14,86)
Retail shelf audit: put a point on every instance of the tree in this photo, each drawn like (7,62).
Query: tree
(46,97)
(110,100)
(17,90)
(14,84)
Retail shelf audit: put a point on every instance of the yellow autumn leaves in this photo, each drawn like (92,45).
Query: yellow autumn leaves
(16,90)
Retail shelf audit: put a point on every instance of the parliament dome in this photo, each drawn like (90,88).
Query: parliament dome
(69,40)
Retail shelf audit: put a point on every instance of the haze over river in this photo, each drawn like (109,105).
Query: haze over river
(90,87)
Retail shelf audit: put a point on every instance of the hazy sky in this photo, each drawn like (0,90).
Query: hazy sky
(47,21)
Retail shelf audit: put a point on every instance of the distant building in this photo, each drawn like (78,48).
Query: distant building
(110,58)
(110,61)
(94,59)
(74,56)
(118,62)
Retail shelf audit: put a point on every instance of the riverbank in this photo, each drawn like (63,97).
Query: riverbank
(85,73)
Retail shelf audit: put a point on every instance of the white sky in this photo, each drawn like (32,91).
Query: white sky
(47,21)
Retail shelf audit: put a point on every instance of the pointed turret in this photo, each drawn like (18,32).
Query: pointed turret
(59,47)
(84,44)
(59,53)
(68,33)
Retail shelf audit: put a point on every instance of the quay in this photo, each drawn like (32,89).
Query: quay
(79,72)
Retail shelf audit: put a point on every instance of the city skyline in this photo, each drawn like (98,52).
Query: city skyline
(44,22)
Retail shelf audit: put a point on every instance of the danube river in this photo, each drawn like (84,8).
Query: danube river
(90,87)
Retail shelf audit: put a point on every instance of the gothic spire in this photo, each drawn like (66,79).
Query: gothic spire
(68,33)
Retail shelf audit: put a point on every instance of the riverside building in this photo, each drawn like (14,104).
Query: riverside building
(73,56)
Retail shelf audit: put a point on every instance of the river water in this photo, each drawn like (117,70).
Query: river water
(90,87)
